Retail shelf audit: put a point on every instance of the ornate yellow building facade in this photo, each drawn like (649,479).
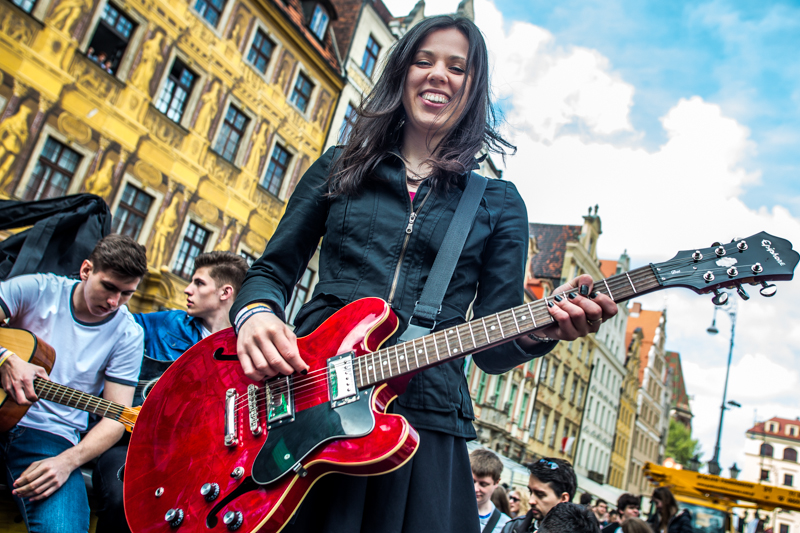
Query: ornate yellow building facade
(621,454)
(193,120)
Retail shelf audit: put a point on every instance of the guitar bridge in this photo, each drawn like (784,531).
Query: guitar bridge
(280,401)
(342,380)
(230,418)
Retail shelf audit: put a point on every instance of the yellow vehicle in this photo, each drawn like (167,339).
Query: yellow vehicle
(712,498)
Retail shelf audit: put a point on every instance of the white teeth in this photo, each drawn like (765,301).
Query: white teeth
(436,98)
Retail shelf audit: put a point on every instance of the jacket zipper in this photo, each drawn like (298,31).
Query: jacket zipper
(409,230)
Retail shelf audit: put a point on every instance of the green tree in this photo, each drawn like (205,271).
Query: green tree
(680,444)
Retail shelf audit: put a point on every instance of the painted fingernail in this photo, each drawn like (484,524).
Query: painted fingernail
(557,298)
(572,296)
(550,304)
(584,290)
(304,371)
(593,295)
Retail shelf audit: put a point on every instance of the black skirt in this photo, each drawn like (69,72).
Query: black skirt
(433,492)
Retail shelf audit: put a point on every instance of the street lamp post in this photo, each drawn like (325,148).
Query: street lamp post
(730,307)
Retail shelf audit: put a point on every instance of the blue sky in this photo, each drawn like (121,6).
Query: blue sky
(682,121)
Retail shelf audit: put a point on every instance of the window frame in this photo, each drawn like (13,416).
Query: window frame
(78,177)
(194,97)
(228,128)
(134,43)
(289,169)
(347,123)
(155,207)
(309,104)
(224,17)
(238,160)
(131,209)
(197,219)
(368,53)
(162,86)
(251,48)
(319,33)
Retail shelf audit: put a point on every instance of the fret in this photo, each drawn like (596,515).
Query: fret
(72,393)
(360,373)
(436,347)
(405,353)
(533,315)
(472,335)
(500,325)
(106,411)
(631,282)
(372,366)
(414,349)
(458,335)
(447,342)
(425,348)
(382,362)
(516,324)
(397,358)
(609,290)
(485,330)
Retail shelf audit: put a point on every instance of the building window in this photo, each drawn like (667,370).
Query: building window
(261,51)
(552,381)
(481,388)
(319,21)
(580,395)
(573,389)
(176,91)
(211,10)
(276,170)
(511,399)
(53,171)
(194,243)
(498,387)
(766,450)
(110,39)
(231,134)
(522,410)
(764,475)
(784,528)
(131,211)
(788,479)
(299,295)
(25,5)
(790,454)
(534,420)
(370,57)
(552,440)
(543,372)
(301,94)
(347,123)
(564,376)
(542,426)
(248,257)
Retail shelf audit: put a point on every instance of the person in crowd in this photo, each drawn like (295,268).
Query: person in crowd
(500,500)
(552,481)
(635,525)
(98,349)
(486,469)
(586,500)
(517,503)
(613,516)
(215,282)
(628,507)
(600,510)
(668,518)
(383,203)
(568,517)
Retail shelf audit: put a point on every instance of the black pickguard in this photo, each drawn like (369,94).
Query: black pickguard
(287,444)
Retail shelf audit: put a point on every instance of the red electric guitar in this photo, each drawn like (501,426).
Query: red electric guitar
(215,451)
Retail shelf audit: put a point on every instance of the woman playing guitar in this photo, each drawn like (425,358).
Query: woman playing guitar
(382,205)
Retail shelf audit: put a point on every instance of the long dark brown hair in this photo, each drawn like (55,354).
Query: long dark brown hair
(669,506)
(379,119)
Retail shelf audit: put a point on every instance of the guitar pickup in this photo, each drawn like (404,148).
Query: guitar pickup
(230,418)
(280,401)
(342,380)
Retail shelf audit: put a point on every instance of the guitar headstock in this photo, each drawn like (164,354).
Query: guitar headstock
(756,260)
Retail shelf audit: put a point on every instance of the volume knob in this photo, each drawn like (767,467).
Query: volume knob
(174,517)
(233,520)
(209,491)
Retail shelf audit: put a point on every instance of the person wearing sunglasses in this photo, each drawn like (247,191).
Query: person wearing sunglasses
(517,503)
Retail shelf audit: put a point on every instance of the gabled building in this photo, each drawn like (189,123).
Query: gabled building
(652,410)
(770,458)
(193,121)
(619,472)
(679,407)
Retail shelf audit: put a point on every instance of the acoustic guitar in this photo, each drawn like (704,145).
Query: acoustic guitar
(216,451)
(33,350)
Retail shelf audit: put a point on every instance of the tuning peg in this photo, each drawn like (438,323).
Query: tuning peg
(719,297)
(742,293)
(768,290)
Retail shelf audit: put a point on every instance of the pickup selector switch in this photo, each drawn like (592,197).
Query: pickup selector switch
(209,491)
(174,517)
(233,520)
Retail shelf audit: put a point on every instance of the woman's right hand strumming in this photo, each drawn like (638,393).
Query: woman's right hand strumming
(267,347)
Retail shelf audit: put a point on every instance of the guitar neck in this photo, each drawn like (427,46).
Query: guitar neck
(486,332)
(63,395)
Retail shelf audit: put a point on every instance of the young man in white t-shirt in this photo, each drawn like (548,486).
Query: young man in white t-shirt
(98,348)
(486,470)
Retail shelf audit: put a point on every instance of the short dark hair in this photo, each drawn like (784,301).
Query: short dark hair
(626,500)
(224,268)
(557,473)
(613,512)
(567,517)
(586,499)
(485,463)
(599,501)
(119,254)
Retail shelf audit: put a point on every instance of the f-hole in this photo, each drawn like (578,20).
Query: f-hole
(220,356)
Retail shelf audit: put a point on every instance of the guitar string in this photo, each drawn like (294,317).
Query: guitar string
(304,383)
(50,388)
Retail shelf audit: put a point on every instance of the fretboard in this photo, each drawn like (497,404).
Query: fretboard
(61,394)
(486,332)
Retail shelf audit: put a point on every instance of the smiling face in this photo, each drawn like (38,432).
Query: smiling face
(435,76)
(543,498)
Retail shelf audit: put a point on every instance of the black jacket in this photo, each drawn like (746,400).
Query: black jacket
(362,250)
(680,523)
(520,524)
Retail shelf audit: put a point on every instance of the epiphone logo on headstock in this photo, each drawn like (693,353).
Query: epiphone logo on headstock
(768,246)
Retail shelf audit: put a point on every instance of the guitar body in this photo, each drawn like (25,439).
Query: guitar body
(180,440)
(31,350)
